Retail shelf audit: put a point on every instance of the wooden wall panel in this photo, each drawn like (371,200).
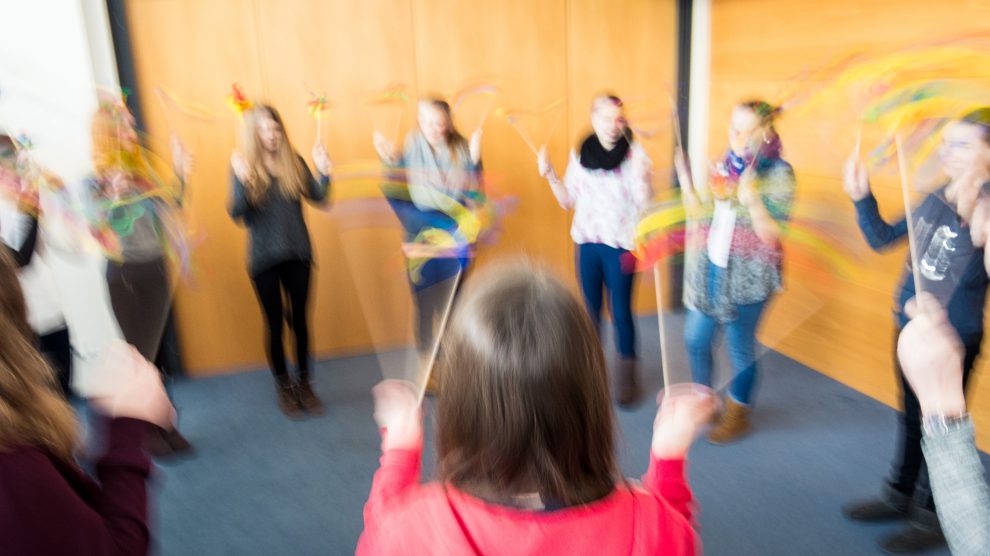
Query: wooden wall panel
(535,52)
(626,47)
(758,48)
(362,301)
(196,50)
(520,47)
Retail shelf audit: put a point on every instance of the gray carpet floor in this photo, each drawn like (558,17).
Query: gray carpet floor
(260,484)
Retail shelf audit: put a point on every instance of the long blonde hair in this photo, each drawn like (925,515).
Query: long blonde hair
(292,171)
(454,140)
(32,413)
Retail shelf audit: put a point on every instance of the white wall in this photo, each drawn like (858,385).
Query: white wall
(701,36)
(53,56)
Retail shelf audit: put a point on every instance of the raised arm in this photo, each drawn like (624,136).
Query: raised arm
(399,418)
(561,189)
(877,232)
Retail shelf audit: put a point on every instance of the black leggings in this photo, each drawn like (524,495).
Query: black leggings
(55,346)
(293,278)
(140,296)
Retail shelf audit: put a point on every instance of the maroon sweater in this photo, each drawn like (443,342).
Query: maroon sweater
(51,507)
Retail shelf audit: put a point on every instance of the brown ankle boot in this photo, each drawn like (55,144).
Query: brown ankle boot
(627,390)
(733,423)
(288,401)
(308,399)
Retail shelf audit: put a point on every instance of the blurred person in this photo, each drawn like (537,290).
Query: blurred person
(442,169)
(734,258)
(607,184)
(126,198)
(931,356)
(269,180)
(20,212)
(48,505)
(526,441)
(952,270)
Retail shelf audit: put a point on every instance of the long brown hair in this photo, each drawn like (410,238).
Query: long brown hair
(32,413)
(292,171)
(524,403)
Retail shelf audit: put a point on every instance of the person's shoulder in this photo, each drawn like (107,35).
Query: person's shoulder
(419,518)
(777,166)
(659,523)
(19,462)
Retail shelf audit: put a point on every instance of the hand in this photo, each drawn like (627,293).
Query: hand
(240,166)
(321,159)
(475,145)
(543,162)
(182,159)
(678,421)
(856,180)
(641,161)
(397,411)
(136,391)
(979,222)
(931,357)
(384,147)
(119,184)
(968,193)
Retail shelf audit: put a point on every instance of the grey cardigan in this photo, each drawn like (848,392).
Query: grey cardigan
(962,497)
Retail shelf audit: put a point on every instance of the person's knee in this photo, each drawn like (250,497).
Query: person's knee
(696,341)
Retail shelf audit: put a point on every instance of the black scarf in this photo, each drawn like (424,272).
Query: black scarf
(595,157)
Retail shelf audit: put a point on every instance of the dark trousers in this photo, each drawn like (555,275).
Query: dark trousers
(57,349)
(909,475)
(141,296)
(600,266)
(430,303)
(292,277)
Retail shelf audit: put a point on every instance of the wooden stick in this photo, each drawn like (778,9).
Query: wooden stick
(488,109)
(161,101)
(664,366)
(553,128)
(677,130)
(526,138)
(319,118)
(912,240)
(439,336)
(859,139)
(398,127)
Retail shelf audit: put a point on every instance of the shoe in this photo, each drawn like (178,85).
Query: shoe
(308,399)
(288,401)
(732,424)
(922,534)
(627,390)
(433,382)
(165,444)
(432,385)
(890,505)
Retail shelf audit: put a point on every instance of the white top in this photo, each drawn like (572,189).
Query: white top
(720,233)
(44,305)
(607,203)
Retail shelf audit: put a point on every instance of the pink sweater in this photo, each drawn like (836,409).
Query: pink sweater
(405,517)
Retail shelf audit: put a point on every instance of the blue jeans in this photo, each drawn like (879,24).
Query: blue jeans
(740,337)
(600,265)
